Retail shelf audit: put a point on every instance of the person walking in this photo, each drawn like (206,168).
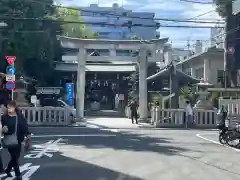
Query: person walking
(133,108)
(13,122)
(189,114)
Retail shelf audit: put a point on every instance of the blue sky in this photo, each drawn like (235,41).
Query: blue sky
(165,9)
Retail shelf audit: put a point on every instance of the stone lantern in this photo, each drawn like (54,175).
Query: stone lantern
(202,91)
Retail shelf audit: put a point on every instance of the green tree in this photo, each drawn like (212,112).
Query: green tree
(134,77)
(134,37)
(134,84)
(33,42)
(76,30)
(222,6)
(189,93)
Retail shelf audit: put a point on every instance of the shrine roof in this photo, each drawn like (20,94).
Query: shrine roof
(165,72)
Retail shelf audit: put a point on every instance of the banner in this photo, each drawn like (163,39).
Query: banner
(70,93)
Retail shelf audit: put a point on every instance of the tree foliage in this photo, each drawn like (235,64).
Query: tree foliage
(76,30)
(134,84)
(33,42)
(221,6)
(189,93)
(134,77)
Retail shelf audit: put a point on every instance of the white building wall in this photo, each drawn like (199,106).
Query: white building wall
(117,15)
(173,54)
(205,68)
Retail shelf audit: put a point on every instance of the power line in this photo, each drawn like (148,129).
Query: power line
(128,24)
(125,16)
(199,15)
(197,2)
(208,12)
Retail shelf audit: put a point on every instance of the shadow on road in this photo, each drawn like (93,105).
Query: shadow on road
(128,141)
(65,168)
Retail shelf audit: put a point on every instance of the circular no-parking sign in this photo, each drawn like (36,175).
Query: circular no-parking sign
(10,85)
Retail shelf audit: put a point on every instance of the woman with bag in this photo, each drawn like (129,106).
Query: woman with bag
(14,128)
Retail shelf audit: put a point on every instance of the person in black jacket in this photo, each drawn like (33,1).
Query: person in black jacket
(134,114)
(12,116)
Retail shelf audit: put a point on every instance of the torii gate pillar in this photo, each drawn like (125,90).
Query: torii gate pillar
(143,101)
(80,95)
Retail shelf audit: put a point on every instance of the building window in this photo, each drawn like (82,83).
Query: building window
(188,72)
(199,73)
(220,77)
(176,58)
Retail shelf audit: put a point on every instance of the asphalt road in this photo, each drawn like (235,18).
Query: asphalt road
(131,154)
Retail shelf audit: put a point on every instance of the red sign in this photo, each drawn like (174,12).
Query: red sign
(10,59)
(10,85)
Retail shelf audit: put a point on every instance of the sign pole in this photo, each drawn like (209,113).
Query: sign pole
(12,94)
(10,74)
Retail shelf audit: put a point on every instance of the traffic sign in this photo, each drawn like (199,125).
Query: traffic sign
(10,77)
(10,59)
(10,85)
(11,70)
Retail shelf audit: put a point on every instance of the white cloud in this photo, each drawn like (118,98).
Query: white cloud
(166,9)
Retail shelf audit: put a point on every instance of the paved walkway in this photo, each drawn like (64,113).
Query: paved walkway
(130,154)
(113,123)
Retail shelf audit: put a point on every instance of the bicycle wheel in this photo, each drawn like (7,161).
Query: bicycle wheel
(232,139)
(222,137)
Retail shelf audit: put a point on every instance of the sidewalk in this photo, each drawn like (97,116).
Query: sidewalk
(114,123)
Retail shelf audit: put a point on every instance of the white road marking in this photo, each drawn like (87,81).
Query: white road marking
(215,142)
(45,149)
(49,127)
(30,170)
(104,129)
(111,130)
(73,135)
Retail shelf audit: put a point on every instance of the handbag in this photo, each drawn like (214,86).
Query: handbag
(9,141)
(28,145)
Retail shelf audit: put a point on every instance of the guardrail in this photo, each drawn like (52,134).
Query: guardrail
(128,112)
(46,115)
(177,117)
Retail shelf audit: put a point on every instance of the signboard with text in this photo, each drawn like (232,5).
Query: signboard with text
(10,77)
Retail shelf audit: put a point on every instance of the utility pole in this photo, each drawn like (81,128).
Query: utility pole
(228,43)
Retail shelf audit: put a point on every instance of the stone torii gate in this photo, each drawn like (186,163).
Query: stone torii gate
(143,47)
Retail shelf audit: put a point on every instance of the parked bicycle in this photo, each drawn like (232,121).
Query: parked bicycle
(222,126)
(232,137)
